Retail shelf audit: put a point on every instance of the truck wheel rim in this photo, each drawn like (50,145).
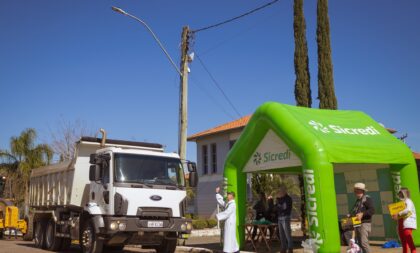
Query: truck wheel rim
(87,239)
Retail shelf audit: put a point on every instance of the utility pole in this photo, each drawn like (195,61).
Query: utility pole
(183,94)
(183,73)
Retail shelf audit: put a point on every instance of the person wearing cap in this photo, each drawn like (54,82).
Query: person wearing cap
(230,243)
(363,209)
(407,221)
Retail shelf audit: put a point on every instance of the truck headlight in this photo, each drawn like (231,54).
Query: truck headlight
(122,226)
(189,226)
(113,225)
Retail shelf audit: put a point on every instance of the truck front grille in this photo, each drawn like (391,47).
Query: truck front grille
(154,213)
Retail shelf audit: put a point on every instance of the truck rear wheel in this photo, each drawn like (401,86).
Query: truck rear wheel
(39,235)
(89,241)
(52,242)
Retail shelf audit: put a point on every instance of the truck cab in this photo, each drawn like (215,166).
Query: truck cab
(140,195)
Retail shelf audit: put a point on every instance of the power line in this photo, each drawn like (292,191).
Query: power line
(217,85)
(234,36)
(235,18)
(212,98)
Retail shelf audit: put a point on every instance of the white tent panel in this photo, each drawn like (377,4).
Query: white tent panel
(272,153)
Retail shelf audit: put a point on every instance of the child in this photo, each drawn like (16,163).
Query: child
(406,221)
(354,248)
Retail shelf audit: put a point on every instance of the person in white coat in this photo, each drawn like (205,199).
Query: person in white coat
(230,245)
(407,221)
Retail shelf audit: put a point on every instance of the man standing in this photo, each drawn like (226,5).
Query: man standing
(284,210)
(230,245)
(363,209)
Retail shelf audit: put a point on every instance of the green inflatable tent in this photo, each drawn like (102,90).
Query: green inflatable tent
(281,138)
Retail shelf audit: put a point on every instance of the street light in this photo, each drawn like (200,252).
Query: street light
(121,11)
(183,73)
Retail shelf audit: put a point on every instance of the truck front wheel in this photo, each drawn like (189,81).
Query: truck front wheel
(168,244)
(89,241)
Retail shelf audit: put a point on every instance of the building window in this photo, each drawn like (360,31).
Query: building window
(205,160)
(213,158)
(231,143)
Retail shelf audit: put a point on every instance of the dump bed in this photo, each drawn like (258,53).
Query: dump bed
(67,183)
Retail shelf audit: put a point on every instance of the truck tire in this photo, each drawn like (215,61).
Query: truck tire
(29,236)
(39,235)
(168,245)
(89,241)
(65,244)
(52,242)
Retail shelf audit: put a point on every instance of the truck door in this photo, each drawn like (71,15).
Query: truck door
(99,176)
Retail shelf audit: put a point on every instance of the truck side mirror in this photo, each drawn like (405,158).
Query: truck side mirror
(92,159)
(193,180)
(94,173)
(192,167)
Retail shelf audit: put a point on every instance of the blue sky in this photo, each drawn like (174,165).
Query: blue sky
(78,60)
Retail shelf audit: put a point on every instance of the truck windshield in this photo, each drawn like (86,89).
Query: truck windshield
(151,170)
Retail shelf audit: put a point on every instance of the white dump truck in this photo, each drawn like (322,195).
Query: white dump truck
(112,193)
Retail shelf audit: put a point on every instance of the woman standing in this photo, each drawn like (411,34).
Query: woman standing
(406,221)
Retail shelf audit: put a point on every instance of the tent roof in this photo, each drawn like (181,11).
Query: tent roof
(337,136)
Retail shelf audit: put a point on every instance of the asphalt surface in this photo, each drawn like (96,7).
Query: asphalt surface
(193,245)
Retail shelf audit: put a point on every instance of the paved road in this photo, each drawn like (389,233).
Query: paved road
(210,243)
(19,246)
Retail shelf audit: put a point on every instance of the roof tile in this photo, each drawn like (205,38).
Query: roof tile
(222,128)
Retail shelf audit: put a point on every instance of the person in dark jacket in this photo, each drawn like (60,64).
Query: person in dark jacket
(283,208)
(363,209)
(271,213)
(260,209)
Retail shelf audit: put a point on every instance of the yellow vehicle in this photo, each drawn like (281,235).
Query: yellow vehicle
(9,218)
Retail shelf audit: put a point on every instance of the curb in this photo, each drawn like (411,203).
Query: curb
(201,250)
(205,232)
(193,250)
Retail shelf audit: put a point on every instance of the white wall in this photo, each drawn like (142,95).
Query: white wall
(205,194)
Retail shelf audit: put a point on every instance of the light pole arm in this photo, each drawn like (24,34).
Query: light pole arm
(153,34)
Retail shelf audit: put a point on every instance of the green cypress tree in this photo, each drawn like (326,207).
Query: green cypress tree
(326,93)
(302,83)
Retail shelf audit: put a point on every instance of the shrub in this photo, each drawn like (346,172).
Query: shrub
(211,223)
(189,216)
(199,224)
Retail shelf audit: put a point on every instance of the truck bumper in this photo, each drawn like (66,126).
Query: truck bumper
(138,231)
(135,224)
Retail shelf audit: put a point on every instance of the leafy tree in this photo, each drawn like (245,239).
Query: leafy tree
(302,83)
(326,93)
(271,183)
(19,161)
